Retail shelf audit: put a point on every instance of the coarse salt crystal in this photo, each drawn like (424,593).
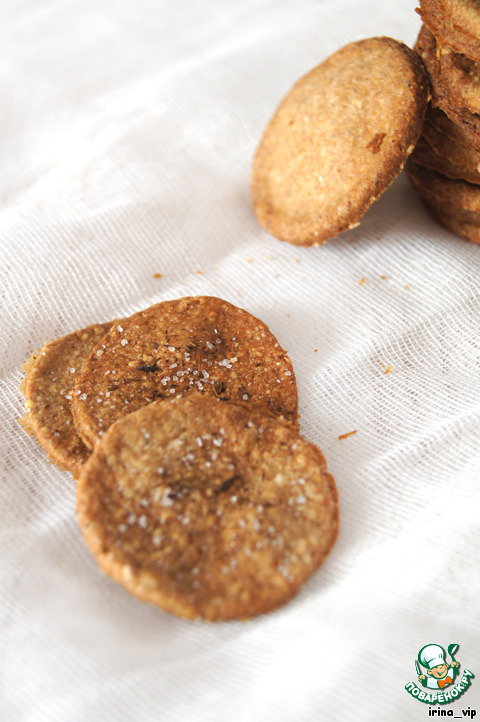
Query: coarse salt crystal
(166,500)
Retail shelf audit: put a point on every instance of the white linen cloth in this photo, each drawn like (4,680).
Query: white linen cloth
(127,131)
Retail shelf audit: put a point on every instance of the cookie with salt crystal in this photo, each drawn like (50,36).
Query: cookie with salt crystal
(51,375)
(207,509)
(456,23)
(338,139)
(199,344)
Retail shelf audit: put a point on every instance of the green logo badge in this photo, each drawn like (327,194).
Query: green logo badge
(438,673)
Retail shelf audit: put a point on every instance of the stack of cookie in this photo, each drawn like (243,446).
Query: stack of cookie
(445,165)
(195,490)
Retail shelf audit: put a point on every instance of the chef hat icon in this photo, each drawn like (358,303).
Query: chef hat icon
(431,655)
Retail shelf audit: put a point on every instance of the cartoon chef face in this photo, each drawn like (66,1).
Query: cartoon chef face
(439,672)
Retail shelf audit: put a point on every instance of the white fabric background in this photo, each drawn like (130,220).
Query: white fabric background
(127,131)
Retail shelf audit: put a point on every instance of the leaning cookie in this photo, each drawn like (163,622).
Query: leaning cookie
(456,23)
(206,509)
(199,344)
(338,139)
(51,375)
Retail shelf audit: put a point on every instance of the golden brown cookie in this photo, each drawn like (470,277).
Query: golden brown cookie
(456,76)
(468,231)
(197,344)
(51,375)
(452,130)
(460,155)
(469,121)
(454,197)
(338,139)
(419,177)
(425,155)
(207,509)
(456,23)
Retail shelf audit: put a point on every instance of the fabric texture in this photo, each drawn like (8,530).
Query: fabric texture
(127,137)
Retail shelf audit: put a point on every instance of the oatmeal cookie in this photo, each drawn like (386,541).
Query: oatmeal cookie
(51,375)
(338,139)
(468,231)
(460,114)
(456,23)
(196,344)
(207,509)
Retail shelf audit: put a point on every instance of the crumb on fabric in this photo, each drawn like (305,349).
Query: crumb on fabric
(345,436)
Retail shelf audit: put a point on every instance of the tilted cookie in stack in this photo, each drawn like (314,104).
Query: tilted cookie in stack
(445,165)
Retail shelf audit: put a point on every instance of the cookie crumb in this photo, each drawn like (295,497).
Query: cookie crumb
(345,436)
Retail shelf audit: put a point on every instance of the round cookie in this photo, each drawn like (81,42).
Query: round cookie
(468,231)
(469,121)
(456,22)
(196,344)
(456,77)
(51,374)
(207,509)
(419,177)
(425,155)
(338,139)
(460,193)
(456,153)
(452,130)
